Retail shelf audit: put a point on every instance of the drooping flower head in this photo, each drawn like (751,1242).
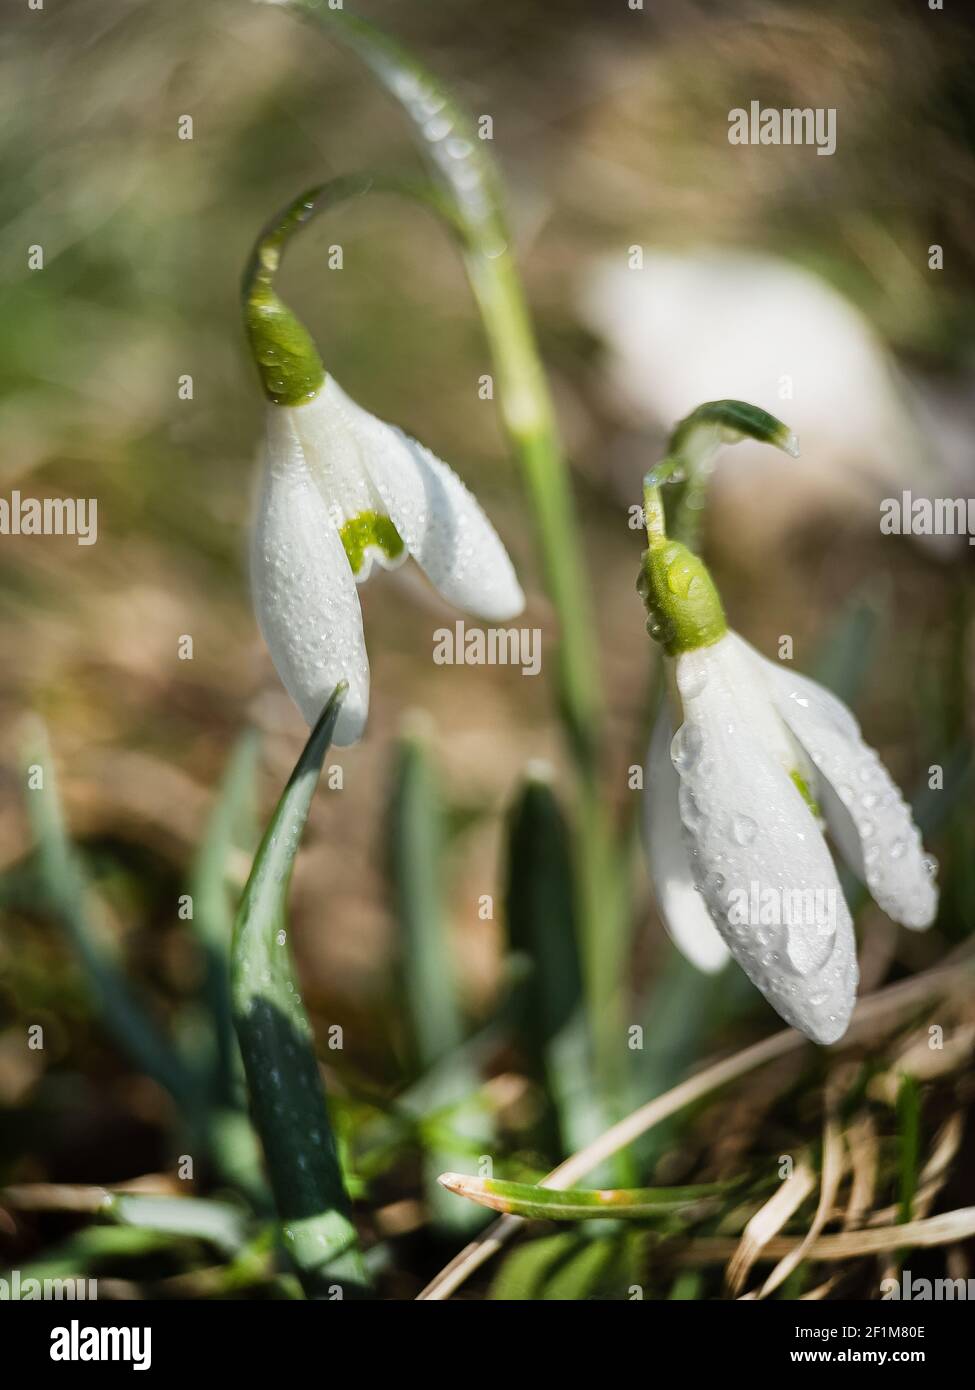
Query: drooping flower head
(341,491)
(747,767)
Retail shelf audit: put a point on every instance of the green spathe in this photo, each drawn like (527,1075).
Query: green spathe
(684,610)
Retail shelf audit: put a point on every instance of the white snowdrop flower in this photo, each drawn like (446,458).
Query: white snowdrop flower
(342,490)
(754,763)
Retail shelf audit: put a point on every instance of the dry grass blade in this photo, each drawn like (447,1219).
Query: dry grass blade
(767,1222)
(43,1196)
(924,1062)
(833,1168)
(821,1291)
(876,1010)
(943,1229)
(864,1151)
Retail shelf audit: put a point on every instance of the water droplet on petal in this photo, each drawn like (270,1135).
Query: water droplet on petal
(686,746)
(744,829)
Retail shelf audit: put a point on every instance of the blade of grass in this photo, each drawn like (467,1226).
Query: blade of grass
(231,822)
(889,1002)
(572,1266)
(909,1144)
(287,1095)
(229,1135)
(845,654)
(217,1223)
(542,927)
(580,1204)
(430,990)
(64,890)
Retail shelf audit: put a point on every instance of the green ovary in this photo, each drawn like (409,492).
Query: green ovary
(370,529)
(682,602)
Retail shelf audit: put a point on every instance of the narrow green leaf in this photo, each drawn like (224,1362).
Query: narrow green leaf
(687,1287)
(208,1023)
(229,826)
(909,1145)
(429,982)
(82,1254)
(65,890)
(276,1041)
(580,1204)
(571,1266)
(218,1223)
(542,928)
(845,655)
(416,852)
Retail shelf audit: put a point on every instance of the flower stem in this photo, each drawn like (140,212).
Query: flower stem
(470,186)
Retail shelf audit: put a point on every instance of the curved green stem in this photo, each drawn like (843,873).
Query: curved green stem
(466,174)
(283,349)
(691,452)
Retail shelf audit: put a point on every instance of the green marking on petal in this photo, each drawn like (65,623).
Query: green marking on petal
(370,529)
(806,792)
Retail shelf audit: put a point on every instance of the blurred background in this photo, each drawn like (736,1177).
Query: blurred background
(760,266)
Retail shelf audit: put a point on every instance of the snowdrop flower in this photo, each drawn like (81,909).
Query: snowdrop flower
(341,491)
(741,778)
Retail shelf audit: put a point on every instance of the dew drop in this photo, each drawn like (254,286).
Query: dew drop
(691,678)
(686,747)
(744,829)
(690,812)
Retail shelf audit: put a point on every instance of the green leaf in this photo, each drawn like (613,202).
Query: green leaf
(571,1266)
(415,843)
(64,889)
(276,1041)
(232,825)
(229,826)
(580,1204)
(847,651)
(429,983)
(542,928)
(909,1145)
(218,1223)
(85,1251)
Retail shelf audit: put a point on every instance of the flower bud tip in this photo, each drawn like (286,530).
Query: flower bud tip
(790,444)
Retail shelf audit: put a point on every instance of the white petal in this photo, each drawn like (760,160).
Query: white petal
(440,521)
(757,854)
(328,429)
(304,593)
(866,814)
(681,906)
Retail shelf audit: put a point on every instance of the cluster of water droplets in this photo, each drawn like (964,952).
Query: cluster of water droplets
(898,873)
(807,971)
(305,605)
(455,154)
